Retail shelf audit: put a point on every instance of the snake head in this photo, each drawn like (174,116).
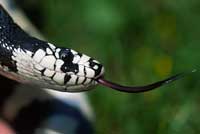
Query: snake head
(64,69)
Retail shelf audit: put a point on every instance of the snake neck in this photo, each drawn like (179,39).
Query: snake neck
(14,39)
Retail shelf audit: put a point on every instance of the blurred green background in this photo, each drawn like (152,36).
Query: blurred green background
(139,42)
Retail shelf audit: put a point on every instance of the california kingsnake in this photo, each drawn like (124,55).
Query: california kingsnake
(32,61)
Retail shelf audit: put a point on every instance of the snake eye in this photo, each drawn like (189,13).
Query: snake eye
(64,54)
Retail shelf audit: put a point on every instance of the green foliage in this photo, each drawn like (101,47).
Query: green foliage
(139,42)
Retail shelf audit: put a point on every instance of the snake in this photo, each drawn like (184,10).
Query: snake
(29,60)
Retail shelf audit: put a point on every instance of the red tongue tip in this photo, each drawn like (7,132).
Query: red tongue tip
(138,89)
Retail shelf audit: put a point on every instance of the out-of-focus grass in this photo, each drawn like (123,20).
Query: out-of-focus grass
(139,42)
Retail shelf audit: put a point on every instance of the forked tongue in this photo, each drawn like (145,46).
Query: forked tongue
(138,89)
